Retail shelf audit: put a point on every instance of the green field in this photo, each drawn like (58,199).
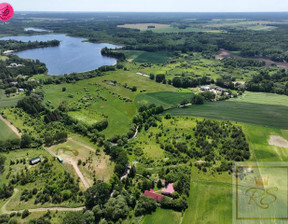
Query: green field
(258,138)
(5,132)
(251,113)
(209,203)
(165,99)
(99,98)
(159,57)
(262,98)
(162,216)
(88,117)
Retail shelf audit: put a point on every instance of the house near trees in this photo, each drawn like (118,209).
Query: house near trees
(151,193)
(165,192)
(169,190)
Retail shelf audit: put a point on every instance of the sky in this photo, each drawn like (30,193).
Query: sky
(151,5)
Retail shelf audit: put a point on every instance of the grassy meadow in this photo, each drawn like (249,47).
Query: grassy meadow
(159,57)
(250,113)
(262,98)
(209,203)
(5,132)
(96,98)
(163,216)
(165,99)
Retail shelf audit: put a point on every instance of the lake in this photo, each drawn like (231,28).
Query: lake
(72,55)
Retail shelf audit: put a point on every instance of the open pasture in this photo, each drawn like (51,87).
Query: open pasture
(165,99)
(209,202)
(250,113)
(5,132)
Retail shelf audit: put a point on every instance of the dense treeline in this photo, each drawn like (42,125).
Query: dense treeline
(265,82)
(110,53)
(242,62)
(16,45)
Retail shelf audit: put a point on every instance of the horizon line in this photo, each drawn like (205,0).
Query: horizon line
(154,11)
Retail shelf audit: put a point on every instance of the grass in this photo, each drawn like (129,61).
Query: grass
(15,203)
(77,148)
(262,98)
(98,98)
(251,113)
(258,138)
(165,99)
(11,101)
(162,216)
(158,57)
(5,132)
(88,117)
(209,203)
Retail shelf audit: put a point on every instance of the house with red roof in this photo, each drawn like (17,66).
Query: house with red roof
(169,190)
(151,193)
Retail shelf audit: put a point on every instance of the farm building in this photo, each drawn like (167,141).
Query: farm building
(151,193)
(205,88)
(34,160)
(59,158)
(169,190)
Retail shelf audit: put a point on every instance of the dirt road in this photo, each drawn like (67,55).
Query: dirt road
(68,159)
(13,128)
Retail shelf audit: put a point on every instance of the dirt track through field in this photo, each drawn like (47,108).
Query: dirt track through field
(13,128)
(69,160)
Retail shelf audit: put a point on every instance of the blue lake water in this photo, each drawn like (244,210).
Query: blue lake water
(72,55)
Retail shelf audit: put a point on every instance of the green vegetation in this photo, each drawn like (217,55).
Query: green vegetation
(159,57)
(209,203)
(162,216)
(251,113)
(165,99)
(6,132)
(262,98)
(124,129)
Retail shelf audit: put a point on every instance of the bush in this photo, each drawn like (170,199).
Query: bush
(25,214)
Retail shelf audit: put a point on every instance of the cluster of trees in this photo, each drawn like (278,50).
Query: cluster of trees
(146,112)
(186,82)
(19,74)
(265,82)
(6,191)
(119,156)
(13,144)
(242,62)
(220,138)
(112,53)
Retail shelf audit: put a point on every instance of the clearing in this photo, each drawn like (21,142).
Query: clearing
(278,141)
(94,163)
